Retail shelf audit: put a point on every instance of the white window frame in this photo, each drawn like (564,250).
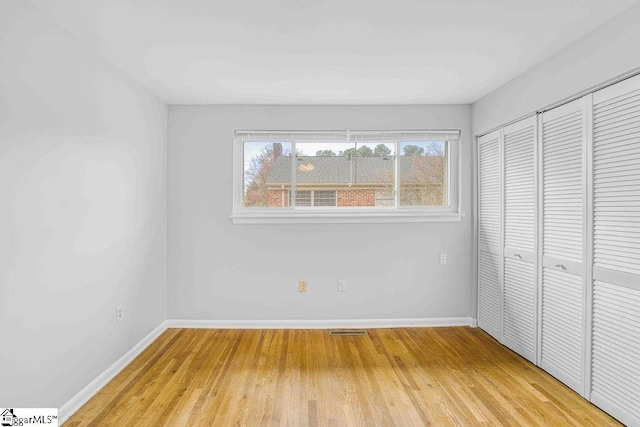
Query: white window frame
(288,215)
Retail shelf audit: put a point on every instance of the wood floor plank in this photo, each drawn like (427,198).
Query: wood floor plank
(403,377)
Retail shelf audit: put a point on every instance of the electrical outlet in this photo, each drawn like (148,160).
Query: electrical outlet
(119,313)
(302,286)
(342,284)
(443,259)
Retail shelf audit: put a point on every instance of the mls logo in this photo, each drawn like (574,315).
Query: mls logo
(6,417)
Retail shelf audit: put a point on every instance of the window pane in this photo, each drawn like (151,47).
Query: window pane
(374,166)
(424,173)
(343,174)
(346,174)
(267,174)
(324,168)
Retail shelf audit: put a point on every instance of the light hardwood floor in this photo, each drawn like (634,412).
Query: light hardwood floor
(404,377)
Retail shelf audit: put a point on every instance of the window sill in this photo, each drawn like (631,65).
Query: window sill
(344,217)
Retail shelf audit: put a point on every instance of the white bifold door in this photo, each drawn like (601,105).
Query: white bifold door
(563,135)
(615,353)
(490,234)
(559,233)
(519,277)
(507,191)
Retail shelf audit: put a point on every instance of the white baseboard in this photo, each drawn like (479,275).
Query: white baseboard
(321,324)
(94,386)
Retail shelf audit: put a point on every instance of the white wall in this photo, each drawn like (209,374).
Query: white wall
(82,212)
(610,51)
(221,271)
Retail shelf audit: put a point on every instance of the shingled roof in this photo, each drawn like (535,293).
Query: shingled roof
(342,170)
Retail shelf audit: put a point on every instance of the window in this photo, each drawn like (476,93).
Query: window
(324,198)
(345,175)
(315,198)
(303,198)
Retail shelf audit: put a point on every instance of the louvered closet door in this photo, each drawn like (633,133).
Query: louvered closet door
(520,313)
(563,136)
(615,384)
(490,240)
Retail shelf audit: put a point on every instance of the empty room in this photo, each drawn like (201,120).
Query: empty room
(319,212)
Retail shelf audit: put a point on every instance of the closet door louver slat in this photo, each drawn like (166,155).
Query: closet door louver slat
(616,188)
(490,217)
(562,326)
(616,351)
(616,251)
(563,332)
(562,197)
(489,192)
(519,184)
(489,298)
(520,308)
(519,327)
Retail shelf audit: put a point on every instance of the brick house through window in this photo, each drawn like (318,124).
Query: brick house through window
(357,181)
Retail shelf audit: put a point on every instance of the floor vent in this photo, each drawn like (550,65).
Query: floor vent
(348,332)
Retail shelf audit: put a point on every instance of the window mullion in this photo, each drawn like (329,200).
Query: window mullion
(396,175)
(294,165)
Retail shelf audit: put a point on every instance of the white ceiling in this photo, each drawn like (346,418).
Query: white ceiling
(328,51)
